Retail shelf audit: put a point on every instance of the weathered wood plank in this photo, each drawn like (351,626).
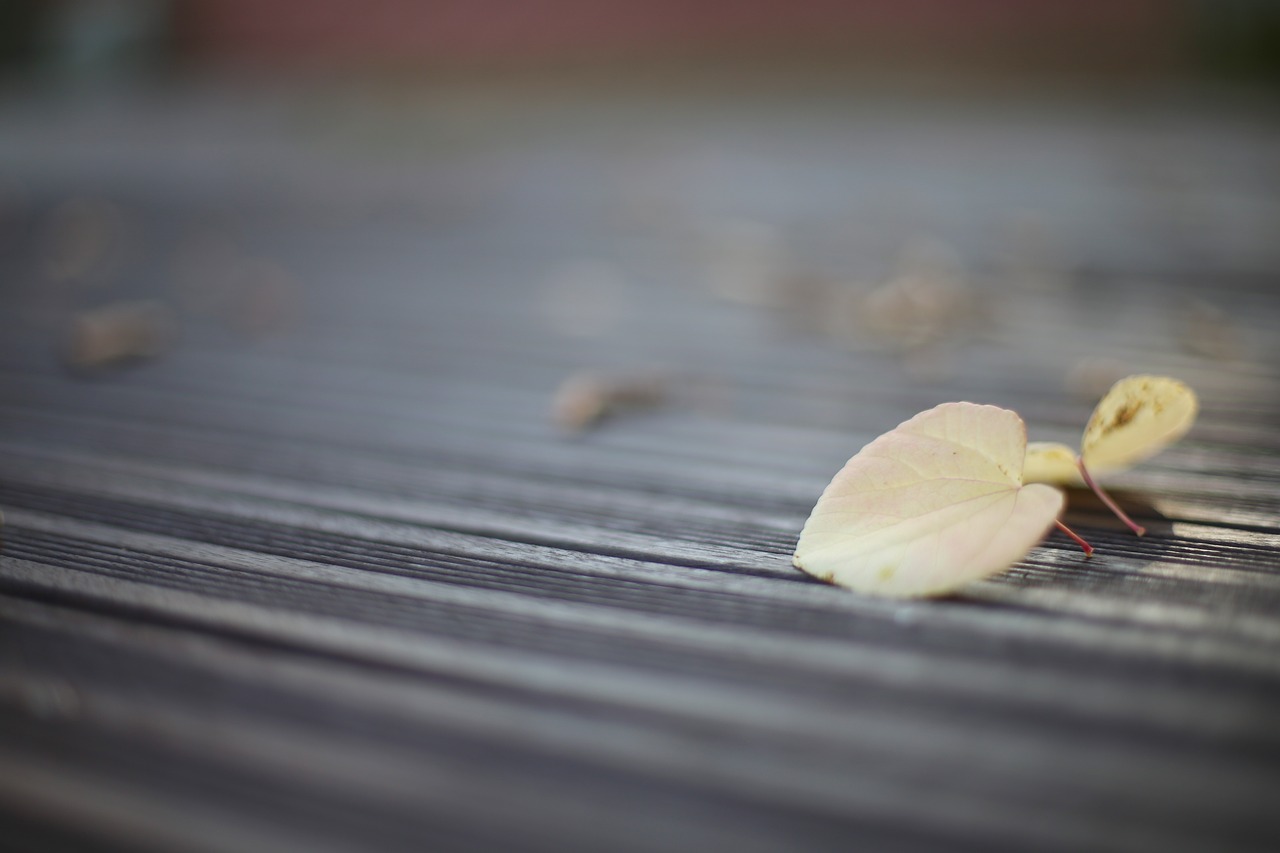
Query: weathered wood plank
(347,586)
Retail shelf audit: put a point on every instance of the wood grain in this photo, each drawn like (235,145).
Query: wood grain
(345,586)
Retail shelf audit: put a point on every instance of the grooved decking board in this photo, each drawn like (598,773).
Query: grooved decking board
(344,586)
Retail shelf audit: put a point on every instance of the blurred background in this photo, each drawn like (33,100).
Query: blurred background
(1128,37)
(365,363)
(874,175)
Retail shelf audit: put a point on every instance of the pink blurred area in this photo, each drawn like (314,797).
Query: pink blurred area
(1088,33)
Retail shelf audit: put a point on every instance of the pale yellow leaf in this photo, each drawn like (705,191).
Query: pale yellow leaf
(929,506)
(1051,462)
(1136,419)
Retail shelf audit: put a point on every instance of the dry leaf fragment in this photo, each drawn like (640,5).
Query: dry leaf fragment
(585,399)
(124,331)
(913,311)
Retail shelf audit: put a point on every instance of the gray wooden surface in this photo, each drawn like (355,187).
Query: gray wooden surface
(342,584)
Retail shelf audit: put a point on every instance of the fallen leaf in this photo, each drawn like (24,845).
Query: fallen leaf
(1140,416)
(929,506)
(1135,420)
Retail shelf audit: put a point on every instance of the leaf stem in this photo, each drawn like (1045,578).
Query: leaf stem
(1085,546)
(1106,499)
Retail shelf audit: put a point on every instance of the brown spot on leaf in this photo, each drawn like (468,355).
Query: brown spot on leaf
(1124,414)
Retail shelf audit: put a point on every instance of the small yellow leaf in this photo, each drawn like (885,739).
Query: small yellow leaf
(1051,462)
(1138,417)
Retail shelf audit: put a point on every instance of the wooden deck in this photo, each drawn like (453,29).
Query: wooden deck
(325,575)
